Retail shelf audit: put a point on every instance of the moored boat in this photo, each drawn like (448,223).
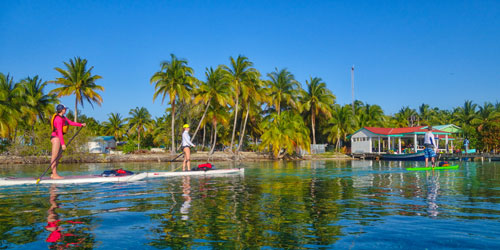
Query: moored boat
(404,157)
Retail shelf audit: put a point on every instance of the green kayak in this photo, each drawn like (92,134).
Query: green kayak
(435,168)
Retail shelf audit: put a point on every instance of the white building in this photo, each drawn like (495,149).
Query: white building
(101,144)
(381,140)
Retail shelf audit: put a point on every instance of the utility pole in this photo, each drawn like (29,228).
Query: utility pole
(352,89)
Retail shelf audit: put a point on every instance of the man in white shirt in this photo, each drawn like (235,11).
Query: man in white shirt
(430,144)
(186,143)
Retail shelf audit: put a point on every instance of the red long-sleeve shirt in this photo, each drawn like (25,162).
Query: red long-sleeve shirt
(58,127)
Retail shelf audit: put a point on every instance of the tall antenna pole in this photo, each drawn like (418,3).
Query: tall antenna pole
(352,88)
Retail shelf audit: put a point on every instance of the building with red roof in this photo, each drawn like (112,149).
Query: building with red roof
(381,140)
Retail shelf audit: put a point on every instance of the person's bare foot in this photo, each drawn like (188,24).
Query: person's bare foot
(56,177)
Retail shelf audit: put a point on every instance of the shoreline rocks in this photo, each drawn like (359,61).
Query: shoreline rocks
(156,157)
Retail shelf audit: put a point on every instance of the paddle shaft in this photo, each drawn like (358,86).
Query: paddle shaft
(58,156)
(177,157)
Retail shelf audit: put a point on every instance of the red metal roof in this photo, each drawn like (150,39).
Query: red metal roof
(398,131)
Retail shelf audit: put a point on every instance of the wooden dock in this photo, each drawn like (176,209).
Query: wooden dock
(441,156)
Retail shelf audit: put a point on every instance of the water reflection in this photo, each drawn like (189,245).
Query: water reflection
(61,237)
(284,205)
(432,192)
(186,190)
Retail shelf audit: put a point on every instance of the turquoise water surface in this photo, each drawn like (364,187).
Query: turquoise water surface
(274,205)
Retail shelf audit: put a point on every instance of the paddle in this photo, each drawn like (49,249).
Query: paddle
(177,157)
(58,156)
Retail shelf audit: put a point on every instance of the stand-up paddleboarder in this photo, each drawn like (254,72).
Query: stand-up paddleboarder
(60,126)
(186,143)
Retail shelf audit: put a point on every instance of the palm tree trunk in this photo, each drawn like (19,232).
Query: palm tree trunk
(313,125)
(242,134)
(235,119)
(139,135)
(76,110)
(211,134)
(204,133)
(215,138)
(172,151)
(202,118)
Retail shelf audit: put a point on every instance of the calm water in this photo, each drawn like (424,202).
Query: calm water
(308,205)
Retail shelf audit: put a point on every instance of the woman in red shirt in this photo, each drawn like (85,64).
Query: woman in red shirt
(57,137)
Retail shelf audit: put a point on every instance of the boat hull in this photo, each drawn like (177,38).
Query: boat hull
(404,157)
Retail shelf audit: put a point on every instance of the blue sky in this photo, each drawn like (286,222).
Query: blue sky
(405,52)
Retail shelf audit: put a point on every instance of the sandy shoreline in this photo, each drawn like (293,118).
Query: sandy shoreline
(155,157)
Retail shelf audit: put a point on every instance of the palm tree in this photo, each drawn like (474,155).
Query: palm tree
(214,89)
(284,134)
(115,125)
(252,94)
(405,117)
(160,130)
(174,79)
(425,113)
(239,72)
(38,105)
(139,122)
(77,80)
(10,100)
(284,89)
(317,99)
(217,115)
(487,118)
(464,116)
(375,115)
(341,124)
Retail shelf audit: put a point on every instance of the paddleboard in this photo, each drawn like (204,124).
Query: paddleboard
(191,173)
(8,181)
(435,168)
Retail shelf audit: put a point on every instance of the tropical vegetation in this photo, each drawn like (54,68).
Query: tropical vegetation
(233,108)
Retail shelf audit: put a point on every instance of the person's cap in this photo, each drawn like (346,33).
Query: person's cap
(60,107)
(186,126)
(429,127)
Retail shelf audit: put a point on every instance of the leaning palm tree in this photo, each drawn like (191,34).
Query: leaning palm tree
(78,80)
(317,100)
(253,94)
(214,90)
(139,121)
(174,79)
(218,116)
(239,72)
(115,125)
(284,89)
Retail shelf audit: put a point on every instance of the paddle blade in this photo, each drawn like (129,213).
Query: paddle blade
(37,180)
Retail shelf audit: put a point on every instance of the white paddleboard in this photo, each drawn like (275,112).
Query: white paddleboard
(191,173)
(8,181)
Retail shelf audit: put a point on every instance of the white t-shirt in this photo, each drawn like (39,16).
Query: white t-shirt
(186,139)
(429,138)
